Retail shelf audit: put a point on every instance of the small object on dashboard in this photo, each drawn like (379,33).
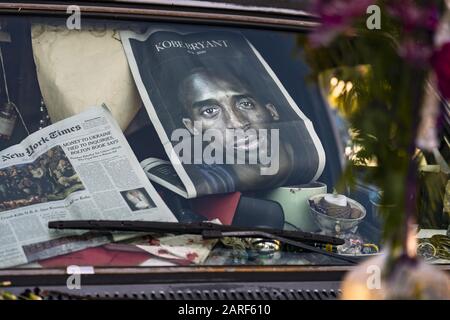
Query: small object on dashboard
(8,111)
(7,120)
(336,199)
(336,220)
(335,210)
(426,250)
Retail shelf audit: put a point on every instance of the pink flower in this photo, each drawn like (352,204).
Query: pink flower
(415,52)
(441,65)
(338,12)
(413,16)
(323,36)
(336,17)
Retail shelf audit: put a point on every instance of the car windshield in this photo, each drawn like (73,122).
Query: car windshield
(172,122)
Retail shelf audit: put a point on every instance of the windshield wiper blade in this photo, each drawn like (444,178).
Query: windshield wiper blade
(186,228)
(266,235)
(304,240)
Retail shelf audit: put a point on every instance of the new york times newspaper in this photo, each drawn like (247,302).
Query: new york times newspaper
(223,116)
(79,168)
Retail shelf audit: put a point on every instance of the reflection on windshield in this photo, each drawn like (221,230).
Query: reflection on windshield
(184,124)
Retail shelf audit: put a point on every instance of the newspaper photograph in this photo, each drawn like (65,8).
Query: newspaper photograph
(78,168)
(224,118)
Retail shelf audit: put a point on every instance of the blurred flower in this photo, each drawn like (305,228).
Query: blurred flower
(413,16)
(415,52)
(336,17)
(441,65)
(442,34)
(336,12)
(427,132)
(323,36)
(407,279)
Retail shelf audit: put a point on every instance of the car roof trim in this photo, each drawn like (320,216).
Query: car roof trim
(217,6)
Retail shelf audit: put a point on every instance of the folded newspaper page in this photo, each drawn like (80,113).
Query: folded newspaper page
(79,168)
(224,118)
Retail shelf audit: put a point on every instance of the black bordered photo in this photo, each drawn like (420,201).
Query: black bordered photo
(51,177)
(216,81)
(137,199)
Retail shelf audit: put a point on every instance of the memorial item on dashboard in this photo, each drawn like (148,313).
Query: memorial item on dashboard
(432,197)
(8,110)
(81,68)
(8,119)
(239,210)
(339,215)
(221,206)
(294,200)
(355,245)
(80,167)
(335,213)
(225,120)
(435,247)
(8,114)
(253,250)
(149,250)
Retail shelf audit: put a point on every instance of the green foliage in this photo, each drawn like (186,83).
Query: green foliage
(383,110)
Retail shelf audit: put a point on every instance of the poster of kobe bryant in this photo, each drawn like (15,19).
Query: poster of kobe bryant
(218,106)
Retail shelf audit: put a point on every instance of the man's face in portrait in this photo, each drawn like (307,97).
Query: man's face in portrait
(223,103)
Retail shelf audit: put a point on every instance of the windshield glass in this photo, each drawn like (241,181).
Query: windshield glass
(146,121)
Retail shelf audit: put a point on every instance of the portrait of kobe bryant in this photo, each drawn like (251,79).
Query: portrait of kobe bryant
(217,98)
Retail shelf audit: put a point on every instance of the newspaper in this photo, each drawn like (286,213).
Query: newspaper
(79,168)
(224,118)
